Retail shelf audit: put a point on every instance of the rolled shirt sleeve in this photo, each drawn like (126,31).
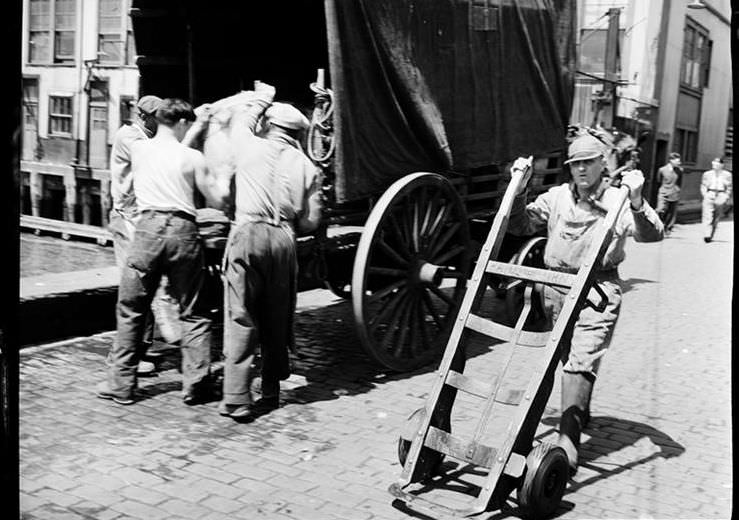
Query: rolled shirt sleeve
(644,225)
(528,219)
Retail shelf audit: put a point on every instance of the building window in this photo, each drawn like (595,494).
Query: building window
(686,144)
(51,31)
(696,64)
(39,30)
(60,115)
(115,38)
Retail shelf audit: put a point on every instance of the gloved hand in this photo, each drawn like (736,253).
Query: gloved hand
(203,113)
(634,179)
(521,169)
(264,88)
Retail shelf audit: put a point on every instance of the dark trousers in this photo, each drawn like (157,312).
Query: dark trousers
(164,243)
(260,288)
(667,211)
(122,231)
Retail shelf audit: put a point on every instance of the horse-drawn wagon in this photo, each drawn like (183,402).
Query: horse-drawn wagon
(423,105)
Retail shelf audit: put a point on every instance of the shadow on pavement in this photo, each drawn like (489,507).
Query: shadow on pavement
(332,360)
(452,474)
(627,285)
(630,432)
(329,359)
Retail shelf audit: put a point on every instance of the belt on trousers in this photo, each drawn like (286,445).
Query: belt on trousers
(717,191)
(173,212)
(261,219)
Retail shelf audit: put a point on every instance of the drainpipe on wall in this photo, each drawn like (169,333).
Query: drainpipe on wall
(650,153)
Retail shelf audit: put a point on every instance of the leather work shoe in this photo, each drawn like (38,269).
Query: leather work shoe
(198,395)
(236,411)
(145,368)
(103,391)
(266,404)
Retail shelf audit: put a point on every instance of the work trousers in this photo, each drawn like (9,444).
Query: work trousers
(164,243)
(164,306)
(585,342)
(667,211)
(260,290)
(713,208)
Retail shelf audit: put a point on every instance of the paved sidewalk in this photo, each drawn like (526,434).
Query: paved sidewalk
(659,443)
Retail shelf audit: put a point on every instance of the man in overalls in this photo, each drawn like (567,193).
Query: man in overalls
(571,213)
(277,193)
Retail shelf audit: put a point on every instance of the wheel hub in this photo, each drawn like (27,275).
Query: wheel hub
(430,273)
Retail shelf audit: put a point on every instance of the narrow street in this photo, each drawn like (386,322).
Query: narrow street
(658,445)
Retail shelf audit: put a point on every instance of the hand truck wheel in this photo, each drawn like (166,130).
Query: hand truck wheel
(429,461)
(544,482)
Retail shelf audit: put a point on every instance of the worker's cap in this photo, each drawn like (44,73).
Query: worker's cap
(584,147)
(286,116)
(149,104)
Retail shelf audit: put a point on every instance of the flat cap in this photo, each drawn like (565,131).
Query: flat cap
(286,116)
(584,147)
(149,104)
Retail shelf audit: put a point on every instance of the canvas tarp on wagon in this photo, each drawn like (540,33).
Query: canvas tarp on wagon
(435,85)
(439,85)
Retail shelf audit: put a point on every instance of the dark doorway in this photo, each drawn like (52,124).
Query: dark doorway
(52,197)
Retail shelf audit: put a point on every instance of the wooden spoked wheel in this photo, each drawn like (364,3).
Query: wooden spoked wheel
(410,271)
(531,254)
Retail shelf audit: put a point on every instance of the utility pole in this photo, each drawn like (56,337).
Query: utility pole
(610,84)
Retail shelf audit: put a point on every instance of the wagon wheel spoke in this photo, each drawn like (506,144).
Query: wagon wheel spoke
(441,242)
(396,319)
(415,225)
(423,334)
(378,295)
(432,309)
(426,226)
(406,224)
(437,226)
(400,239)
(438,292)
(387,271)
(391,252)
(404,327)
(380,317)
(448,255)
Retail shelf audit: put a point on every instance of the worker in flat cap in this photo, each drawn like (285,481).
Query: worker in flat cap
(124,214)
(277,196)
(571,214)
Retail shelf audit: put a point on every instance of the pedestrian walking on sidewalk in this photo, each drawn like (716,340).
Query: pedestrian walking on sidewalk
(571,213)
(668,196)
(277,194)
(716,188)
(166,174)
(124,213)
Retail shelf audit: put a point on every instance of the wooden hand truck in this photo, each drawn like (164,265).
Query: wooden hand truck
(540,474)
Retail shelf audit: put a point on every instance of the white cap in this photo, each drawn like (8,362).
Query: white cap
(286,116)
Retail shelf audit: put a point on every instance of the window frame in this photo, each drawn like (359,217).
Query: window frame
(120,34)
(55,116)
(59,27)
(695,58)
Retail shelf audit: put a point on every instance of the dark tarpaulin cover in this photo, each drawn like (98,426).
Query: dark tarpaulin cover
(419,88)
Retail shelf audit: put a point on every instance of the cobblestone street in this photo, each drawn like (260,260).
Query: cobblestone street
(658,445)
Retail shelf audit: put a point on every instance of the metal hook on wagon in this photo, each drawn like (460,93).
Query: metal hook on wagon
(321,142)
